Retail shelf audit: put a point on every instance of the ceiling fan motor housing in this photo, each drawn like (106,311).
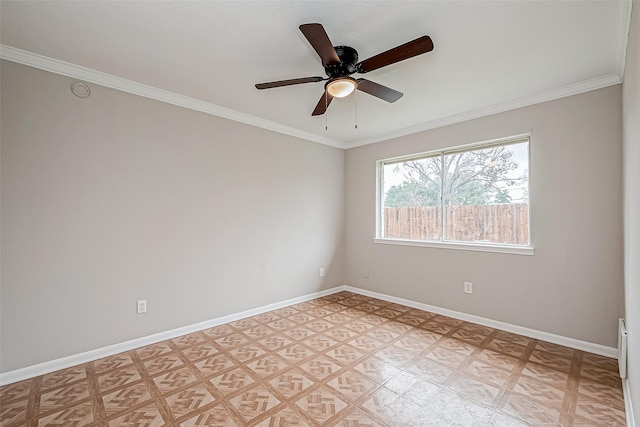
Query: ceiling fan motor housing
(347,66)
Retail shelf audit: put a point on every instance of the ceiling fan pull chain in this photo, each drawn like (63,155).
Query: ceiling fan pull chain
(326,112)
(356,99)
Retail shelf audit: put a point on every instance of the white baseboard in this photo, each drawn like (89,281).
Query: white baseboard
(628,407)
(520,330)
(91,355)
(76,359)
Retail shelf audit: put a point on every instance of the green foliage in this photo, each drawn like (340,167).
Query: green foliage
(412,194)
(471,193)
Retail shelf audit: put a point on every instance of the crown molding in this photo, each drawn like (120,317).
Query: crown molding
(56,66)
(103,79)
(568,90)
(623,24)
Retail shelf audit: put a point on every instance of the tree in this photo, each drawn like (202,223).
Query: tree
(475,177)
(411,193)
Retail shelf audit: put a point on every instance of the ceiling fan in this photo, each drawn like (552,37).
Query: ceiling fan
(340,62)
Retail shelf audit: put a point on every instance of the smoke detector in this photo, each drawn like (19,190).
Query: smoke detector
(81,90)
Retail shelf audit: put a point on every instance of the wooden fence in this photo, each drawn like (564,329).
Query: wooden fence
(508,223)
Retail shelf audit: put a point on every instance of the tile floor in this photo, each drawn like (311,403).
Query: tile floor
(340,360)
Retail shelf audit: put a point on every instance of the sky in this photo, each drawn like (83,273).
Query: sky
(518,193)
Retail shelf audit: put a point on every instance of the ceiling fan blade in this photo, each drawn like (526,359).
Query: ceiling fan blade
(408,50)
(378,90)
(319,40)
(289,82)
(324,102)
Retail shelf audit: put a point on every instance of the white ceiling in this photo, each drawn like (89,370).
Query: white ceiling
(489,56)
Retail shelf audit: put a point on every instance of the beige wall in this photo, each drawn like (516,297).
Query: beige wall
(115,198)
(573,285)
(631,135)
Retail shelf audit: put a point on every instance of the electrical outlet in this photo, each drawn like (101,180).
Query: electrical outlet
(141,306)
(468,287)
(322,272)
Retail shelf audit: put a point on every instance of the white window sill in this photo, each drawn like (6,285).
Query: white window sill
(505,249)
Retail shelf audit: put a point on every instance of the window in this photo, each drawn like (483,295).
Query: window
(467,196)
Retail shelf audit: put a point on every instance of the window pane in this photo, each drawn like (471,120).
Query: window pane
(411,199)
(486,195)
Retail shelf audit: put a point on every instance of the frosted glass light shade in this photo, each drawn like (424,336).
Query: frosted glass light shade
(341,87)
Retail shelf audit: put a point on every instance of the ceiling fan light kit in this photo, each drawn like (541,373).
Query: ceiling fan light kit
(341,87)
(340,62)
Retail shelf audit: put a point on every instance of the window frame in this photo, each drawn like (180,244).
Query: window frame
(446,244)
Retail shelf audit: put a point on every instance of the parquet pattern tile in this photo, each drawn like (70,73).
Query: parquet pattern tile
(342,360)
